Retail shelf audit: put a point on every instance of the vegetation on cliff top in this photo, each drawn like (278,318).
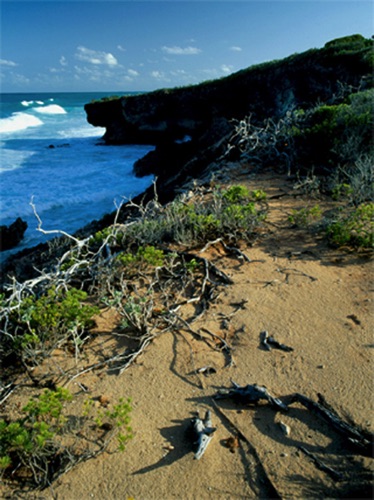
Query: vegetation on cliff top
(357,47)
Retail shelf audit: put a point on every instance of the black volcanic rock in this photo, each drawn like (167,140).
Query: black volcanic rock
(265,90)
(11,236)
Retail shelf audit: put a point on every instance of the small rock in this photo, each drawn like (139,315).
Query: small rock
(106,426)
(232,443)
(354,318)
(168,447)
(104,401)
(285,428)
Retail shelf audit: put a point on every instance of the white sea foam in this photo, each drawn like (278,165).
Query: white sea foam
(81,132)
(19,121)
(51,109)
(40,103)
(27,103)
(11,159)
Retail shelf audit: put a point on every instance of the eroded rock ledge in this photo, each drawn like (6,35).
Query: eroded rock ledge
(203,113)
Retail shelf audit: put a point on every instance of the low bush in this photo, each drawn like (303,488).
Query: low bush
(36,324)
(305,217)
(232,213)
(355,228)
(32,447)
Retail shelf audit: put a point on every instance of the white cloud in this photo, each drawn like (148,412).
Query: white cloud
(180,51)
(179,72)
(226,68)
(18,79)
(4,62)
(235,48)
(132,72)
(63,61)
(157,74)
(95,56)
(122,49)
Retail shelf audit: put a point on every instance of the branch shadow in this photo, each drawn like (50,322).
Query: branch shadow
(176,436)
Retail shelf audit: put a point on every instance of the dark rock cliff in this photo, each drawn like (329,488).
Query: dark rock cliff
(204,112)
(269,89)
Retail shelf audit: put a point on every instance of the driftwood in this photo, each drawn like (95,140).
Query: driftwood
(201,433)
(268,342)
(250,394)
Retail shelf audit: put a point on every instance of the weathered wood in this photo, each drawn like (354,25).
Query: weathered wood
(269,341)
(201,433)
(250,394)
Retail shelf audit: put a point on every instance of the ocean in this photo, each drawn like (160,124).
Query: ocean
(50,154)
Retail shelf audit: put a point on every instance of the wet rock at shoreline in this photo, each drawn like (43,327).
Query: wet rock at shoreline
(12,235)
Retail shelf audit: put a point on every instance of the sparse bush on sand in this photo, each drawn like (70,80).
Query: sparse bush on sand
(34,448)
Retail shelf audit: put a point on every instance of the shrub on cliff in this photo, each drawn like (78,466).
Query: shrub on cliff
(34,448)
(232,213)
(33,326)
(337,134)
(326,138)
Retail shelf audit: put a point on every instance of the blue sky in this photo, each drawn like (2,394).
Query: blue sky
(120,45)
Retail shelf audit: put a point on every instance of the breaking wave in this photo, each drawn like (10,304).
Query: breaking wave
(19,121)
(51,109)
(29,103)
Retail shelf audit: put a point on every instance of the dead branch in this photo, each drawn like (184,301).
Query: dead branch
(79,243)
(269,341)
(250,394)
(201,433)
(229,249)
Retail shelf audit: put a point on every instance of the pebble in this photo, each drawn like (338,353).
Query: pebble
(285,428)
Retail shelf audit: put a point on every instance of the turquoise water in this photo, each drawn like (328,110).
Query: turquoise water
(51,155)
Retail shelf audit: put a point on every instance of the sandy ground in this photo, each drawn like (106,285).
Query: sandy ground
(315,299)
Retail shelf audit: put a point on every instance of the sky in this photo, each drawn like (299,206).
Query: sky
(139,45)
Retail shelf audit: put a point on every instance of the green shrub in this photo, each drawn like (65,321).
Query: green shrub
(118,417)
(337,134)
(40,321)
(305,217)
(31,444)
(342,190)
(355,228)
(145,256)
(30,441)
(236,194)
(232,212)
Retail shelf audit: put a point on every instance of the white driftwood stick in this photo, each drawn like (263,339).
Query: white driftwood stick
(204,432)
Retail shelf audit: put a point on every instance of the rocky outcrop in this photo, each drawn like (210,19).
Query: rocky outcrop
(204,113)
(11,236)
(269,89)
